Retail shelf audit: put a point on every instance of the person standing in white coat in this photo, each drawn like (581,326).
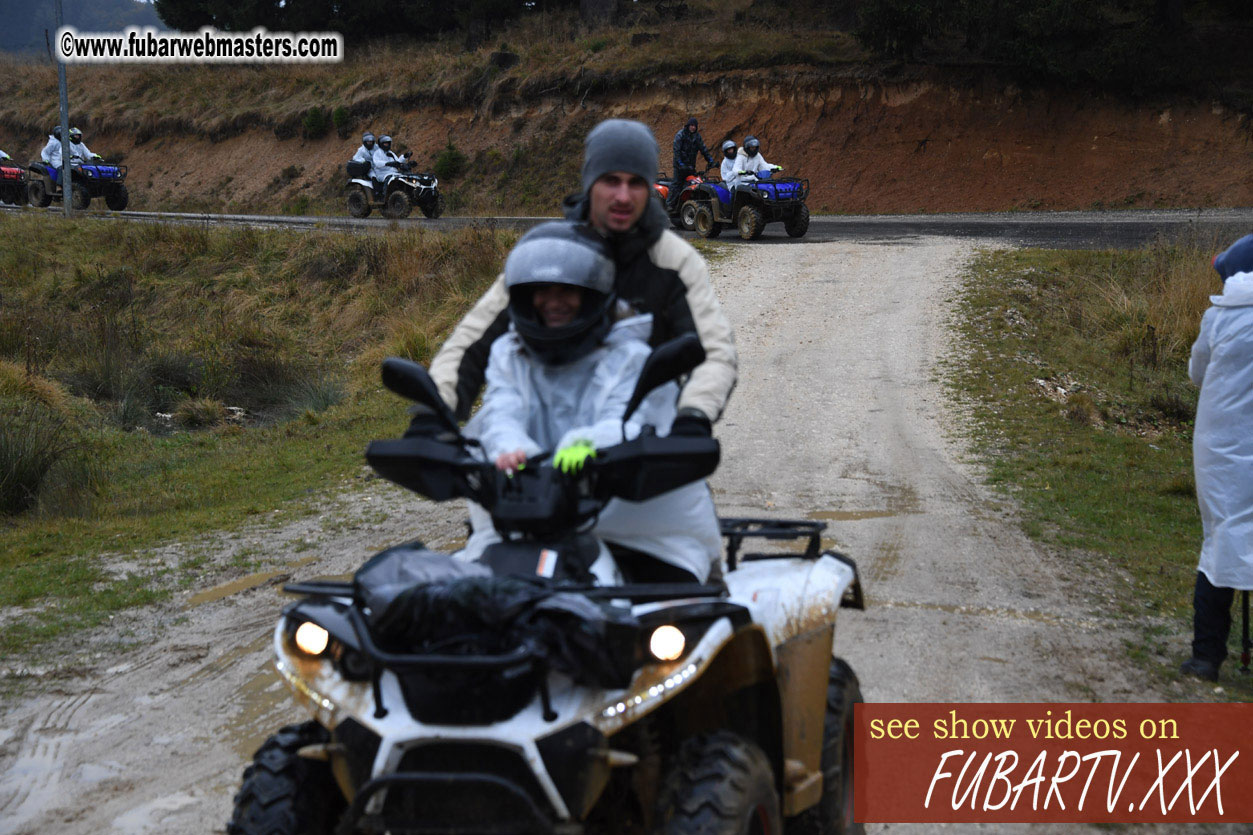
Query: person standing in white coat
(1222,452)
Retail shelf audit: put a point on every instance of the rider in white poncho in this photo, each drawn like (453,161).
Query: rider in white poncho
(560,379)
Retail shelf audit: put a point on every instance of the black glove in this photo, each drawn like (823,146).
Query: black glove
(692,423)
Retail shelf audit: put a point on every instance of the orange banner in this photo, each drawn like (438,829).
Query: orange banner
(1037,763)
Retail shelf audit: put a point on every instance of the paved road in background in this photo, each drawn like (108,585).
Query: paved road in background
(1061,230)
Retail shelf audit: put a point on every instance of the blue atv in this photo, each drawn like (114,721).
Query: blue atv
(755,201)
(90,178)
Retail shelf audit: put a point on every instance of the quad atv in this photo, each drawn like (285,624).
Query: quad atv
(12,182)
(396,196)
(89,179)
(538,690)
(756,200)
(684,215)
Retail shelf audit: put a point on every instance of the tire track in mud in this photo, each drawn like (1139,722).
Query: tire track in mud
(37,772)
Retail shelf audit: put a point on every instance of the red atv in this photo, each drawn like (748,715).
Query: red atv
(684,216)
(12,182)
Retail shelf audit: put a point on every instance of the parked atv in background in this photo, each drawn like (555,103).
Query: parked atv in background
(756,200)
(535,691)
(684,215)
(12,182)
(396,196)
(89,179)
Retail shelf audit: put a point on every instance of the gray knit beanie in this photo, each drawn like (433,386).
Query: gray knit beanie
(619,145)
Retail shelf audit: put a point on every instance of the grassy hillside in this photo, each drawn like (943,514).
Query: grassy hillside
(161,382)
(553,52)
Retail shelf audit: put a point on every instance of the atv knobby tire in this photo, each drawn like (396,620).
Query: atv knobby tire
(117,199)
(687,214)
(751,222)
(80,198)
(358,203)
(721,784)
(286,794)
(798,224)
(37,194)
(834,813)
(397,206)
(704,224)
(434,208)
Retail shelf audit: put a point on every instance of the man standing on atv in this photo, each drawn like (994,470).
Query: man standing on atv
(656,272)
(366,152)
(687,143)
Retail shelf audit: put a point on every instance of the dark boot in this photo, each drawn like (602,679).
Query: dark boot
(1200,668)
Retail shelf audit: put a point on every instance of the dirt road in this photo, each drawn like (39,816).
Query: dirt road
(838,416)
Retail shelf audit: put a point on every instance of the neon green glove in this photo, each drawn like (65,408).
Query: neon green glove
(570,459)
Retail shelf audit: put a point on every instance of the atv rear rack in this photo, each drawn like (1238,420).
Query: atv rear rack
(737,529)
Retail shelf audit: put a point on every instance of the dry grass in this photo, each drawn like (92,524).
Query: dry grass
(556,55)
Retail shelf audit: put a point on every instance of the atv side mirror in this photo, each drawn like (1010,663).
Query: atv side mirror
(668,361)
(410,380)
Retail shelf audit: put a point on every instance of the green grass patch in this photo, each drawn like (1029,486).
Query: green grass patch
(1075,367)
(262,346)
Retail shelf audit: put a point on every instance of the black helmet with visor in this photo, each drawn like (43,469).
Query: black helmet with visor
(561,252)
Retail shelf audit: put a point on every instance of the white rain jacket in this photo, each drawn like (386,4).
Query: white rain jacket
(51,154)
(743,162)
(535,407)
(380,170)
(729,174)
(80,150)
(1222,441)
(364,154)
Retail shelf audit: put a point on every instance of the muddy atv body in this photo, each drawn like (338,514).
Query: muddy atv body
(597,705)
(90,180)
(12,183)
(394,197)
(684,214)
(754,202)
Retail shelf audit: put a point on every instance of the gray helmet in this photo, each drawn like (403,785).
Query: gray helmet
(385,142)
(751,145)
(76,135)
(561,252)
(57,131)
(728,148)
(367,139)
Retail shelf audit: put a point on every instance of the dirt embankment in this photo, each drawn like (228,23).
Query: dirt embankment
(866,145)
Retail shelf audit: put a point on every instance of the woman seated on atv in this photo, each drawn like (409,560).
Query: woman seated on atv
(749,160)
(560,379)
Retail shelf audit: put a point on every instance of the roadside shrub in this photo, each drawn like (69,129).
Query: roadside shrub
(315,123)
(342,119)
(33,441)
(199,412)
(315,394)
(450,163)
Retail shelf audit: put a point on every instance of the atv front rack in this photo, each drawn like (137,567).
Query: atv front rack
(737,529)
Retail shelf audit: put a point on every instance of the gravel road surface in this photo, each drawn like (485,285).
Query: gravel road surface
(838,416)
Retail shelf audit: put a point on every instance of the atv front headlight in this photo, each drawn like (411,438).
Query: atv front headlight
(667,643)
(312,639)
